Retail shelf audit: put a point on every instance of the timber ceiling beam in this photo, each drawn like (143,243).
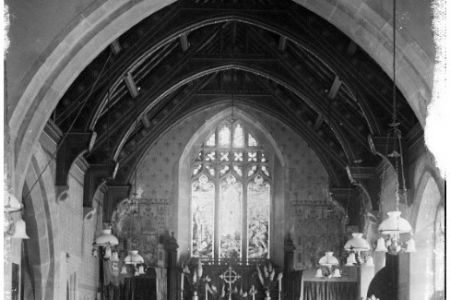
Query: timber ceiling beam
(198,68)
(326,111)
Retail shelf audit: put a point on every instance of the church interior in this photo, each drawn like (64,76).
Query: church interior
(221,149)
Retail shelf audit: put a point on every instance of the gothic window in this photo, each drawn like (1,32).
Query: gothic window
(231,196)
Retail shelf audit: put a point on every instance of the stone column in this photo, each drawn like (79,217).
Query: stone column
(172,278)
(288,254)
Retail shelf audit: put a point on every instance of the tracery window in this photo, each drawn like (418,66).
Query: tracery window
(231,197)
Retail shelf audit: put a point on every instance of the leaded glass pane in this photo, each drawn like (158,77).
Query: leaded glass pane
(211,141)
(265,170)
(196,169)
(224,169)
(258,218)
(238,137)
(230,218)
(238,170)
(251,141)
(210,156)
(263,157)
(251,171)
(224,156)
(252,156)
(210,170)
(238,156)
(202,210)
(225,136)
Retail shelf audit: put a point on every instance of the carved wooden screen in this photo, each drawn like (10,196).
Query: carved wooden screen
(231,197)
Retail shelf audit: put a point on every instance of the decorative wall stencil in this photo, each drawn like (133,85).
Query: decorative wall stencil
(303,177)
(319,226)
(141,224)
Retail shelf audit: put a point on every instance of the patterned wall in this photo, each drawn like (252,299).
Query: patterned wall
(305,190)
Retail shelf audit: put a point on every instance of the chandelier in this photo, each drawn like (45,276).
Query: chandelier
(396,232)
(329,264)
(134,259)
(355,246)
(106,241)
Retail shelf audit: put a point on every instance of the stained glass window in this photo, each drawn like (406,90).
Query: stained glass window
(230,218)
(251,141)
(232,175)
(238,137)
(202,205)
(258,217)
(224,136)
(211,141)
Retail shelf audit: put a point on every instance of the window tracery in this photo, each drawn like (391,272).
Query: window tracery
(231,197)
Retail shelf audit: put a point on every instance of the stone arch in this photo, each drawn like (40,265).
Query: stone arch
(428,202)
(85,39)
(184,186)
(38,217)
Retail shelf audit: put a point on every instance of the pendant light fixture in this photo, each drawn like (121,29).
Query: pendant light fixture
(106,240)
(134,258)
(328,261)
(395,227)
(355,246)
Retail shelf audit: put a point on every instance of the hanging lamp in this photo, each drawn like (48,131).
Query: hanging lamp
(20,230)
(328,260)
(134,258)
(355,246)
(394,227)
(106,240)
(357,243)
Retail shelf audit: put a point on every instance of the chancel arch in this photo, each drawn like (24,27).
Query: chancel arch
(427,263)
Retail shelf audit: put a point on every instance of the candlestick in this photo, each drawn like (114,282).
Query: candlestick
(252,292)
(182,286)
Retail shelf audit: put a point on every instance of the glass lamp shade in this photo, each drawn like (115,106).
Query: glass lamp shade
(124,270)
(12,204)
(357,243)
(394,224)
(141,270)
(133,258)
(351,259)
(115,257)
(411,246)
(106,238)
(328,260)
(108,252)
(381,245)
(20,231)
(319,273)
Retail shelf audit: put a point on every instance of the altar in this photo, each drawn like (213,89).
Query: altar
(335,288)
(233,281)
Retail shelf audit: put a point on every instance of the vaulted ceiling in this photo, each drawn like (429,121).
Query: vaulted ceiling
(272,55)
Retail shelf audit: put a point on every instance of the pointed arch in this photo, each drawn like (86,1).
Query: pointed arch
(260,133)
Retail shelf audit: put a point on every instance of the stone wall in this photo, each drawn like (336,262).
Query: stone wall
(58,263)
